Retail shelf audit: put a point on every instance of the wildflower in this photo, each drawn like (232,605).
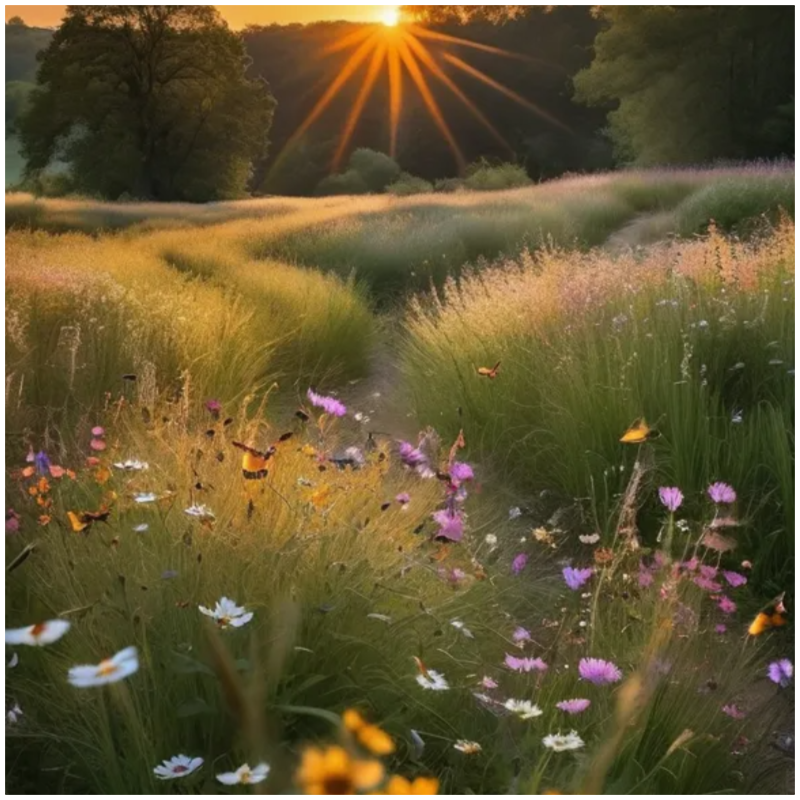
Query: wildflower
(734,578)
(598,671)
(433,680)
(726,605)
(558,742)
(733,711)
(329,404)
(691,565)
(412,456)
(518,564)
(40,634)
(514,513)
(708,571)
(671,497)
(13,714)
(591,538)
(460,626)
(42,463)
(721,628)
(524,709)
(145,497)
(781,672)
(576,706)
(575,578)
(490,539)
(110,670)
(372,737)
(227,614)
(214,407)
(132,465)
(97,444)
(544,536)
(404,498)
(521,635)
(645,576)
(488,683)
(245,775)
(451,525)
(721,493)
(400,785)
(706,584)
(460,472)
(177,767)
(200,512)
(12,521)
(467,747)
(334,771)
(525,664)
(141,527)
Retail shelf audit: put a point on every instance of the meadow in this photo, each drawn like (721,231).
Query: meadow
(222,403)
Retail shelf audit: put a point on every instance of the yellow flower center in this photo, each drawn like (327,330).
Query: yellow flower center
(107,667)
(245,776)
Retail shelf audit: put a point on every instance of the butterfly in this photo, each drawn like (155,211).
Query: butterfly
(489,372)
(83,519)
(773,616)
(254,462)
(421,667)
(639,432)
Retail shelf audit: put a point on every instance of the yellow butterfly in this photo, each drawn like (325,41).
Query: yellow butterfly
(639,432)
(773,616)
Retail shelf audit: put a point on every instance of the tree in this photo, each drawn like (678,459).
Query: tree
(152,101)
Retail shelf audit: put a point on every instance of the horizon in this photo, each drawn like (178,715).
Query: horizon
(237,17)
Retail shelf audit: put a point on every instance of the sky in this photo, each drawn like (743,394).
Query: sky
(236,16)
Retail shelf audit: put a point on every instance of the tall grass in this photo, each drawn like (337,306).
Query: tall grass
(693,337)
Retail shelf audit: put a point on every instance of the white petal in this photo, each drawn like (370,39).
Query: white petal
(207,611)
(237,622)
(229,778)
(14,661)
(20,636)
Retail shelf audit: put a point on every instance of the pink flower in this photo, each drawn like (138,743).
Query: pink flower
(576,706)
(404,498)
(453,575)
(598,671)
(521,635)
(671,497)
(726,605)
(97,444)
(645,576)
(488,683)
(721,628)
(330,405)
(708,572)
(92,461)
(733,711)
(518,564)
(451,525)
(98,431)
(461,472)
(214,407)
(525,664)
(706,584)
(691,564)
(734,578)
(12,521)
(722,493)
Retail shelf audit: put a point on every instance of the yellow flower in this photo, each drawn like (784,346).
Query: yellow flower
(372,737)
(400,785)
(333,771)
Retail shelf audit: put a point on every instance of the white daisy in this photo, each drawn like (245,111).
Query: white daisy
(490,539)
(110,670)
(132,465)
(592,538)
(245,775)
(558,742)
(141,527)
(13,714)
(228,614)
(40,634)
(524,709)
(201,512)
(460,626)
(145,497)
(177,767)
(467,747)
(433,680)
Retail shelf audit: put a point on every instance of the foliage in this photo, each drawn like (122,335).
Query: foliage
(486,177)
(368,171)
(162,88)
(409,184)
(724,73)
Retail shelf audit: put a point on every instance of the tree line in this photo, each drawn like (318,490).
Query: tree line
(165,102)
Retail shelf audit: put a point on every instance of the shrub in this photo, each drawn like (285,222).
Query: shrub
(377,170)
(409,184)
(349,182)
(484,177)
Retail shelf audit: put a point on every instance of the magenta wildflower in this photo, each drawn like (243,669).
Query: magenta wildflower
(525,664)
(460,472)
(733,711)
(575,578)
(488,683)
(404,498)
(721,493)
(98,431)
(708,572)
(330,405)
(598,671)
(671,497)
(451,525)
(691,564)
(781,672)
(645,576)
(214,407)
(721,628)
(734,578)
(726,605)
(97,444)
(706,584)
(518,564)
(521,635)
(414,458)
(575,706)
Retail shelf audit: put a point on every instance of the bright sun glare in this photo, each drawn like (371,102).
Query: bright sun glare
(390,16)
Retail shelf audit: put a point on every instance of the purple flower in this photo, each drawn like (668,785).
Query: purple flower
(659,560)
(734,578)
(691,564)
(706,584)
(42,462)
(452,575)
(721,628)
(598,671)
(671,497)
(576,706)
(525,664)
(781,672)
(575,578)
(414,458)
(518,564)
(708,572)
(521,635)
(726,605)
(488,683)
(732,710)
(645,576)
(721,493)
(214,407)
(404,498)
(451,525)
(329,404)
(460,471)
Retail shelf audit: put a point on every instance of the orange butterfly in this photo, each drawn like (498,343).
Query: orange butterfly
(421,667)
(773,616)
(81,520)
(489,372)
(639,432)
(254,462)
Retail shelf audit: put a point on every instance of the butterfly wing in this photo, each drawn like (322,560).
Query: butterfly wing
(77,521)
(638,432)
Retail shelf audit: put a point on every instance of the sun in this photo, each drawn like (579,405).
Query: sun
(390,16)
